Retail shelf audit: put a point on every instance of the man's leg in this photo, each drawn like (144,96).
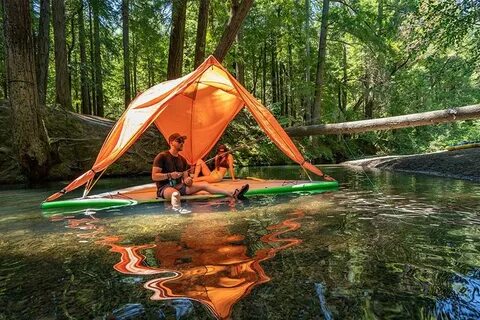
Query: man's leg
(173,195)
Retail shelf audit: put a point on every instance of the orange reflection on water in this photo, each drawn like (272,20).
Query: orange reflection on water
(208,264)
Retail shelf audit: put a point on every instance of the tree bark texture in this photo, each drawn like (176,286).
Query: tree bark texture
(92,61)
(390,123)
(177,39)
(322,49)
(201,32)
(273,71)
(98,62)
(29,134)
(85,96)
(135,62)
(62,83)
(307,101)
(43,50)
(239,64)
(231,30)
(126,52)
(264,73)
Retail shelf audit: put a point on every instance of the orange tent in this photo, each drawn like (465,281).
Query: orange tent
(199,105)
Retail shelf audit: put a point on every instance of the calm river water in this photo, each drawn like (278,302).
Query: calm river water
(384,246)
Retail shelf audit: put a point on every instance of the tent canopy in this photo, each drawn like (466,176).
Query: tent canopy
(199,105)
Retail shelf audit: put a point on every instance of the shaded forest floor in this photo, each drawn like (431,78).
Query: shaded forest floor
(458,164)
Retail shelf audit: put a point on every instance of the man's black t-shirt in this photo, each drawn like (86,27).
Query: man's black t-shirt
(169,163)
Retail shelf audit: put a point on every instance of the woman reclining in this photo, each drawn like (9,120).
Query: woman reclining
(223,161)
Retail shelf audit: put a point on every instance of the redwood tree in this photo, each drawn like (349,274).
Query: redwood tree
(177,39)
(126,53)
(62,82)
(201,32)
(43,50)
(85,95)
(322,48)
(97,60)
(29,134)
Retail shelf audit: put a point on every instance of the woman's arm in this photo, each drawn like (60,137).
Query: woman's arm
(230,166)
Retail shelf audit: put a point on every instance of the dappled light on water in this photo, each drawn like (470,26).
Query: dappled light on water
(385,246)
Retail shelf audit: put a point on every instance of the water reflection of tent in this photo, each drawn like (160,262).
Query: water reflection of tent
(215,270)
(199,105)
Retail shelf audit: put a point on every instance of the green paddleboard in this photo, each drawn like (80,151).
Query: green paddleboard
(126,198)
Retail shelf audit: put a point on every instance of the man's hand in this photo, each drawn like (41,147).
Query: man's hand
(188,181)
(176,175)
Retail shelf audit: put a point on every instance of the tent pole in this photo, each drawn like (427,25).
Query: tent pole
(309,178)
(91,184)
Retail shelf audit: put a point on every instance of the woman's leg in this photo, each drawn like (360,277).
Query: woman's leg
(194,188)
(201,166)
(212,178)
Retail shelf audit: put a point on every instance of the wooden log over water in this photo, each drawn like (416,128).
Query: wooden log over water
(405,121)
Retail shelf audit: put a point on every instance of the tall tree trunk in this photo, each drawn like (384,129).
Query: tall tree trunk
(126,53)
(29,134)
(62,83)
(343,93)
(273,74)
(264,72)
(43,50)
(254,74)
(177,39)
(290,83)
(281,87)
(149,71)
(322,48)
(231,30)
(72,74)
(85,106)
(306,98)
(98,63)
(92,60)
(201,32)
(239,62)
(135,62)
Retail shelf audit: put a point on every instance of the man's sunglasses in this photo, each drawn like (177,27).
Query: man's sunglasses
(180,140)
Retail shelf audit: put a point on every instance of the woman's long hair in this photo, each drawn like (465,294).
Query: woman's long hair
(222,154)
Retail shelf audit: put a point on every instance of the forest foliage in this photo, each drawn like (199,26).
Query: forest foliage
(383,58)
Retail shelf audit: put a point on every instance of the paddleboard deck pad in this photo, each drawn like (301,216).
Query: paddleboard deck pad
(147,193)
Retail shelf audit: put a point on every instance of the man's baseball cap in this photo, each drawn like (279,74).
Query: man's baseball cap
(175,136)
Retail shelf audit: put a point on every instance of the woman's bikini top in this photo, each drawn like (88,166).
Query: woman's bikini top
(222,162)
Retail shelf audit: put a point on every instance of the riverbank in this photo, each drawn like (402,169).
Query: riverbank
(458,164)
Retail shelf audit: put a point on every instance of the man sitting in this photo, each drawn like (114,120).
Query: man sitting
(170,172)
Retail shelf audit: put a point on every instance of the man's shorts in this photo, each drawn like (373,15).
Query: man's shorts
(181,187)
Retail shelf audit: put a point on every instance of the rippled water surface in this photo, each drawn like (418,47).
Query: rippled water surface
(384,246)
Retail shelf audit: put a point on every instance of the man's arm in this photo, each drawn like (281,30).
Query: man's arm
(157,174)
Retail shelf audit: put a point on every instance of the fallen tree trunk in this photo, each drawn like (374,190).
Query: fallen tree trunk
(406,121)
